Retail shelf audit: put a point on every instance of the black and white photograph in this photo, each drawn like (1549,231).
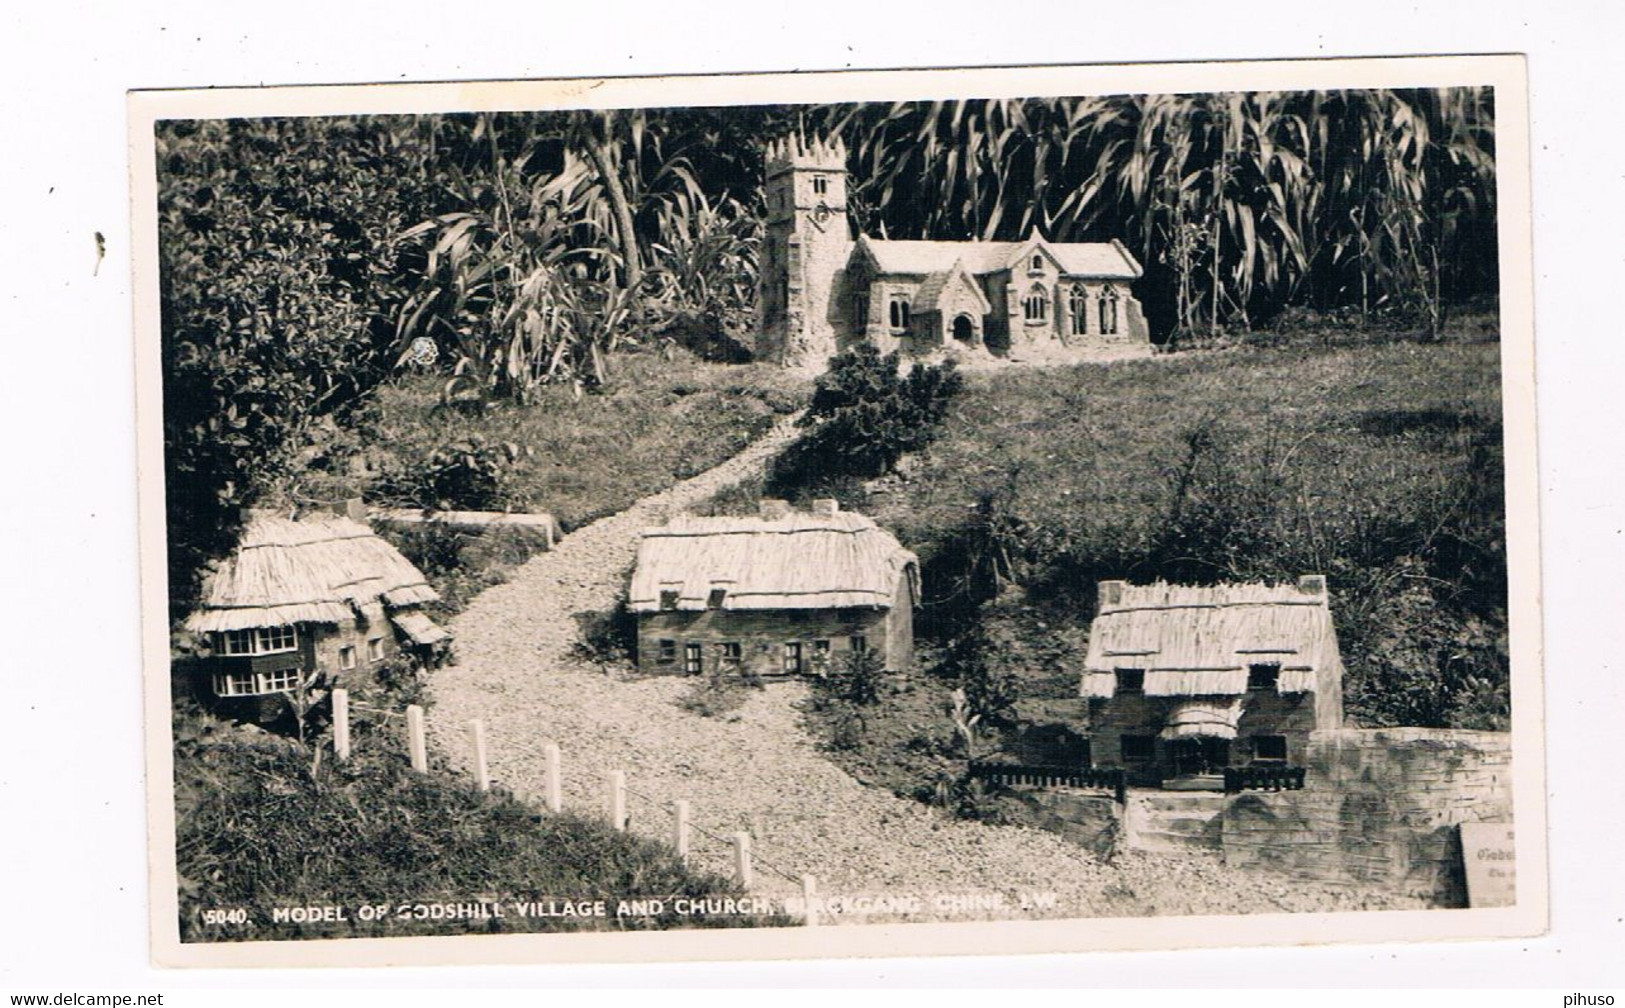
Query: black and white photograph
(996,510)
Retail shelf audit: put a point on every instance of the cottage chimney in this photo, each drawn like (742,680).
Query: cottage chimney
(825,507)
(773,510)
(1312,584)
(1111,593)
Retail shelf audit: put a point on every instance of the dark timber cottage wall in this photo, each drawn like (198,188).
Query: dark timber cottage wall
(818,580)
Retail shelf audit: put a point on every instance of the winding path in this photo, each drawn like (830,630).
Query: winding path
(757,770)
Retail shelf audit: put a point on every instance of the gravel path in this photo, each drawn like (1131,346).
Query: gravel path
(757,770)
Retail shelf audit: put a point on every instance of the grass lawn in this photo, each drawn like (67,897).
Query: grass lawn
(585,456)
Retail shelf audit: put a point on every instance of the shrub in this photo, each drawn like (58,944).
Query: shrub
(966,798)
(863,417)
(715,695)
(857,678)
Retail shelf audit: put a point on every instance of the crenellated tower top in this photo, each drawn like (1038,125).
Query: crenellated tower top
(796,151)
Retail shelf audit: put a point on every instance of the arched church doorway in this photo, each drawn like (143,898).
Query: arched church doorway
(964,329)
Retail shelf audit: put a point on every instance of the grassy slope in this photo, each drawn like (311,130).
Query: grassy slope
(1341,460)
(257,827)
(658,421)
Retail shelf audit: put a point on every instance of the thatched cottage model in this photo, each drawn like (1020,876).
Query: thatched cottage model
(298,596)
(780,593)
(821,291)
(1184,681)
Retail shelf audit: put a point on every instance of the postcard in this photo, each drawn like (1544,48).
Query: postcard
(839,514)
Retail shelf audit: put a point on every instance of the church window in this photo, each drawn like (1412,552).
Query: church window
(1035,308)
(1108,311)
(1037,264)
(899,312)
(1078,305)
(860,312)
(820,185)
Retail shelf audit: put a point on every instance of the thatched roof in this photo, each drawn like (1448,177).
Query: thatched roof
(316,569)
(1200,640)
(793,560)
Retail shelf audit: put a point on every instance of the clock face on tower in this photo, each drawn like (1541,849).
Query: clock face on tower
(821,215)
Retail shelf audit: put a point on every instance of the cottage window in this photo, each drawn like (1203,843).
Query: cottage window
(260,640)
(899,312)
(692,659)
(1078,306)
(792,658)
(245,683)
(1138,748)
(1036,306)
(860,643)
(1263,675)
(731,654)
(717,597)
(1108,311)
(347,657)
(375,649)
(281,681)
(234,684)
(1131,680)
(1269,747)
(668,598)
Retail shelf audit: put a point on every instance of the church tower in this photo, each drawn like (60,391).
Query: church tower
(804,253)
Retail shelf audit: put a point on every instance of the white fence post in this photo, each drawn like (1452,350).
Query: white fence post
(482,771)
(809,892)
(414,739)
(341,723)
(555,777)
(742,859)
(617,799)
(682,829)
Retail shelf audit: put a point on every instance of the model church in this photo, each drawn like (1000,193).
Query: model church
(821,290)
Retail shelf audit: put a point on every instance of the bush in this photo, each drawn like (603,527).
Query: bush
(863,417)
(857,678)
(471,474)
(716,695)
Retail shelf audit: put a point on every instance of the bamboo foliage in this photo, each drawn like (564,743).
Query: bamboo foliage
(1249,201)
(1239,205)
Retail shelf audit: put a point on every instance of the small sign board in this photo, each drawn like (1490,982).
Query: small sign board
(1487,854)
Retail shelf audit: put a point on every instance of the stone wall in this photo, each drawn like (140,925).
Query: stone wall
(1382,807)
(1090,819)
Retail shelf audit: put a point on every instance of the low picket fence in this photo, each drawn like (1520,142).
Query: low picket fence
(684,831)
(1041,775)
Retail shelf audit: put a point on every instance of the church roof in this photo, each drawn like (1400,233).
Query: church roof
(930,292)
(1107,260)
